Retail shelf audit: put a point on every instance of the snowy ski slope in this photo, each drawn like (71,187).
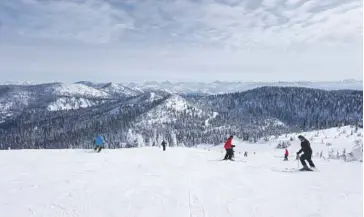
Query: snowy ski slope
(181,182)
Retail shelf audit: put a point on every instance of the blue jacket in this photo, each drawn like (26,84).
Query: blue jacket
(99,141)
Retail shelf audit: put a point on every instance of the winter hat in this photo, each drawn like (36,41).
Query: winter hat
(301,137)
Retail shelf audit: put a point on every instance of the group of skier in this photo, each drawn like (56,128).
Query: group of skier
(228,146)
(305,149)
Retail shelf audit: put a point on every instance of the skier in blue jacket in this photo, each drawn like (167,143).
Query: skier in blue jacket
(99,143)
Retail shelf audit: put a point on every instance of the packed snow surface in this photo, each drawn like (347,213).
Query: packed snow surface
(180,182)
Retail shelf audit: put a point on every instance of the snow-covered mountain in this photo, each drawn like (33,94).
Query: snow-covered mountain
(120,90)
(116,89)
(15,99)
(289,105)
(70,103)
(219,87)
(73,114)
(170,111)
(77,90)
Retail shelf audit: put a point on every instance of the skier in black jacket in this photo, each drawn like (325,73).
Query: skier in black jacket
(307,153)
(164,145)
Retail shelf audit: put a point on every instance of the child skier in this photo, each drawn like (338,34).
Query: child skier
(307,154)
(99,143)
(286,155)
(229,149)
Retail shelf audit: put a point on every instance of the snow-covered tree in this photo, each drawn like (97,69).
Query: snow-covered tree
(139,140)
(160,139)
(173,142)
(130,138)
(149,142)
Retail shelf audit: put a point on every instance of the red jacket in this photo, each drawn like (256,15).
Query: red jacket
(286,152)
(228,143)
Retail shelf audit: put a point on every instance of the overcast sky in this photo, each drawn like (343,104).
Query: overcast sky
(180,40)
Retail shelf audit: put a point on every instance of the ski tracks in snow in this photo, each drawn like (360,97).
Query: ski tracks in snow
(196,207)
(180,182)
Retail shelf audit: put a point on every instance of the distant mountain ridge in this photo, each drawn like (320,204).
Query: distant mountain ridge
(216,87)
(220,87)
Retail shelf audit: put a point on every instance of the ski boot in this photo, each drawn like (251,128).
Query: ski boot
(305,168)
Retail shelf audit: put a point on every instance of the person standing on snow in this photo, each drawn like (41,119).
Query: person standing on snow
(229,148)
(307,153)
(99,143)
(164,145)
(286,155)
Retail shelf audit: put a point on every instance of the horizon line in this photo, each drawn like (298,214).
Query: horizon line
(175,82)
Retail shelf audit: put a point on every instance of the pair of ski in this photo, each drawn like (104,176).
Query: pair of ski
(294,170)
(237,160)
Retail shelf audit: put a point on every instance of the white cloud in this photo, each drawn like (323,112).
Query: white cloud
(271,3)
(106,21)
(185,28)
(89,21)
(294,2)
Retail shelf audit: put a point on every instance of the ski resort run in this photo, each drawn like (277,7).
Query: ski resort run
(180,182)
(181,108)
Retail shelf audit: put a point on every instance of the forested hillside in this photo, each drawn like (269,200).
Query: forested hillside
(55,116)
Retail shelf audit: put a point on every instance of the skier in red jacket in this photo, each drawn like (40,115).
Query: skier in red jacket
(229,148)
(286,155)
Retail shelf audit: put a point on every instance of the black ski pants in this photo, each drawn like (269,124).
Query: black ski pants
(164,147)
(229,154)
(98,148)
(307,156)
